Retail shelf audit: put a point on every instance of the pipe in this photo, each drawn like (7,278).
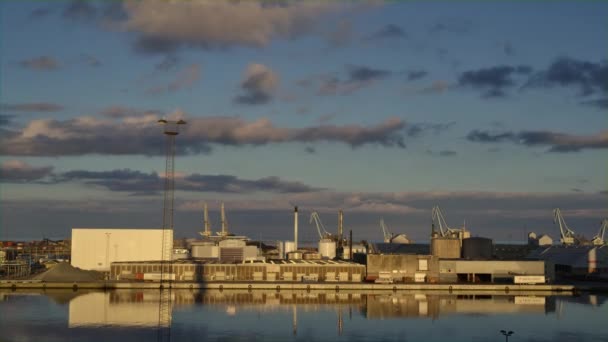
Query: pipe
(295,228)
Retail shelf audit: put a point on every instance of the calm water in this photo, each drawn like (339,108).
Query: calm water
(298,316)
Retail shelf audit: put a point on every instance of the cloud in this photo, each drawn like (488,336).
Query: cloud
(184,79)
(342,34)
(120,112)
(437,87)
(310,150)
(90,60)
(390,31)
(168,63)
(508,49)
(600,103)
(413,75)
(451,25)
(163,26)
(41,63)
(442,153)
(358,77)
(590,77)
(141,183)
(418,129)
(31,107)
(78,10)
(258,84)
(5,120)
(16,171)
(557,142)
(41,12)
(141,135)
(494,80)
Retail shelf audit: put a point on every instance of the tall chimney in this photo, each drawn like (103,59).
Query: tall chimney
(224,223)
(295,227)
(340,228)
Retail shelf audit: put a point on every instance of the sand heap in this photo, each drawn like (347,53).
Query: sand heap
(64,272)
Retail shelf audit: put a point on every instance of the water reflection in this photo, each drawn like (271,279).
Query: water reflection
(141,307)
(299,315)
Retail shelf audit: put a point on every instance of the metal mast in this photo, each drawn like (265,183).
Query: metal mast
(170,130)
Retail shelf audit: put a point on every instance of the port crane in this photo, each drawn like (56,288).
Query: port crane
(444,229)
(387,234)
(598,240)
(567,234)
(323,233)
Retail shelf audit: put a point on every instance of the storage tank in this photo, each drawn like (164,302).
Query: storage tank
(290,246)
(445,247)
(477,248)
(327,248)
(295,255)
(311,256)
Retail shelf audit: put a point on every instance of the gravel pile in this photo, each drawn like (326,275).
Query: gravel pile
(64,272)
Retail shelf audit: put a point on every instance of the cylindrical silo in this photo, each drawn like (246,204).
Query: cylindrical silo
(327,248)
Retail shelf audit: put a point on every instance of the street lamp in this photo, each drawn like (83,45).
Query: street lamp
(506,334)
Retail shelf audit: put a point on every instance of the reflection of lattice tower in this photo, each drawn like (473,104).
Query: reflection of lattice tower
(171,130)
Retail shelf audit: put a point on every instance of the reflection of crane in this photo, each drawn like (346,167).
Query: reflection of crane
(567,235)
(598,240)
(323,233)
(387,234)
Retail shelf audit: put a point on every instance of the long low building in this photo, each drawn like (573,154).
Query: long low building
(452,270)
(274,270)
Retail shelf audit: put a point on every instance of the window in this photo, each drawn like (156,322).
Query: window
(423,265)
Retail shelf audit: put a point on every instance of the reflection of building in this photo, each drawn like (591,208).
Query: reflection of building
(432,306)
(115,308)
(96,249)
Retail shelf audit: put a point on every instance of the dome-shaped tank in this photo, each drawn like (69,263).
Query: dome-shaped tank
(295,255)
(477,248)
(327,248)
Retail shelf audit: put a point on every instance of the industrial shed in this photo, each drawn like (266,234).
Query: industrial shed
(97,248)
(453,270)
(403,267)
(575,260)
(274,270)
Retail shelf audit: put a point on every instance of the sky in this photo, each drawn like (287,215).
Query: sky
(495,111)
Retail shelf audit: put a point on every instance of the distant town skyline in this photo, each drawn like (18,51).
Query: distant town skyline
(494,111)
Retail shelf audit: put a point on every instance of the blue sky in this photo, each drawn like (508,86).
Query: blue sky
(495,111)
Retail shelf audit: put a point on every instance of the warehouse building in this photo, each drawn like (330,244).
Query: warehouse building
(402,268)
(274,270)
(575,260)
(97,248)
(475,271)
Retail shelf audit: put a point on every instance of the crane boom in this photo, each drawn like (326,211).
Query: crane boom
(598,240)
(314,217)
(567,235)
(437,217)
(387,234)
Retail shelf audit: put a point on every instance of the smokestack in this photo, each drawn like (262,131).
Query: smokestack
(351,246)
(295,227)
(224,223)
(341,227)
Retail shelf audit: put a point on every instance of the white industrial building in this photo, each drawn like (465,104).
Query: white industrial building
(97,248)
